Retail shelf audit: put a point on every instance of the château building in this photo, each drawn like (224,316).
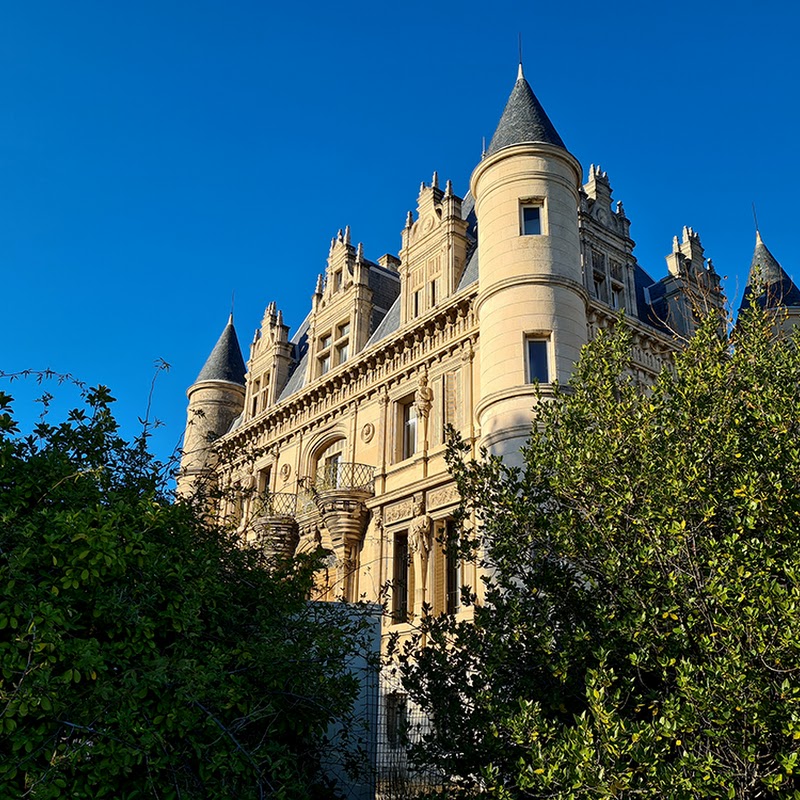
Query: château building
(334,434)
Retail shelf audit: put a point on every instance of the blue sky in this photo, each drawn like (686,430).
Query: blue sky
(157,156)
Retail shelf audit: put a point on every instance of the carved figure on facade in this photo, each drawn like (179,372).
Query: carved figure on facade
(419,543)
(423,399)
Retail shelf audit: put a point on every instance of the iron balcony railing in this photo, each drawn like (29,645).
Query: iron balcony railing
(347,477)
(277,504)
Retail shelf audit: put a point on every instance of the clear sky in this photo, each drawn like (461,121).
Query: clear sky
(157,156)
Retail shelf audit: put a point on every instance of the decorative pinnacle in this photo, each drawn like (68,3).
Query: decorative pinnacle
(435,181)
(409,219)
(347,234)
(320,285)
(448,189)
(360,252)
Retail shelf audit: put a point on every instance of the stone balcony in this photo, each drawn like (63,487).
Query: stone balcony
(274,523)
(340,492)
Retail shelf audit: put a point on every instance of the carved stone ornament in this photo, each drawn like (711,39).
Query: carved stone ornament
(443,497)
(398,511)
(423,399)
(367,432)
(286,471)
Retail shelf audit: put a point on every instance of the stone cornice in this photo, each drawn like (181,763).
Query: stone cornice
(441,329)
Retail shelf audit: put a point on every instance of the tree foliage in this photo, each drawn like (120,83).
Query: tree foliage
(640,635)
(145,653)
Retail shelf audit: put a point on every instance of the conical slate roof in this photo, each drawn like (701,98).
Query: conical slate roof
(768,281)
(225,362)
(523,120)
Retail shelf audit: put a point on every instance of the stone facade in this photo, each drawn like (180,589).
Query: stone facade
(336,435)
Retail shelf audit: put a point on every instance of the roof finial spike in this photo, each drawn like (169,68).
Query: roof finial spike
(520,73)
(483,146)
(360,252)
(755,220)
(233,298)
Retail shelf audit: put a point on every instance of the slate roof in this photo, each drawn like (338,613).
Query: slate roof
(768,281)
(523,120)
(225,362)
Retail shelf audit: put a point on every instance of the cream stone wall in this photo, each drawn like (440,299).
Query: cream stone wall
(531,286)
(213,406)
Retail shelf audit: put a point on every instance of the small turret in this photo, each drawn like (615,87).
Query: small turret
(769,286)
(768,283)
(216,399)
(531,301)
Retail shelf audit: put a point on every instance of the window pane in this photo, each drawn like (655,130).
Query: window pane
(342,350)
(538,368)
(409,430)
(531,222)
(400,588)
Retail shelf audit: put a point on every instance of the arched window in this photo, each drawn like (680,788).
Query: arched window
(327,469)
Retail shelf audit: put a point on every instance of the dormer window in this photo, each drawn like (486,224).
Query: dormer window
(324,354)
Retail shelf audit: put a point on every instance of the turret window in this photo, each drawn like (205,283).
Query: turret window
(538,354)
(531,220)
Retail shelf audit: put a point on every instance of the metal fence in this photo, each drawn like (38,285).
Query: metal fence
(276,504)
(339,475)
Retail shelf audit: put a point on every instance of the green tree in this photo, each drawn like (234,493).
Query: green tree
(640,635)
(145,653)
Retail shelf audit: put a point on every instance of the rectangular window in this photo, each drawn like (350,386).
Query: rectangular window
(452,576)
(330,471)
(344,329)
(433,293)
(409,420)
(325,364)
(538,360)
(396,718)
(254,400)
(416,303)
(263,480)
(324,341)
(337,280)
(341,352)
(531,220)
(600,286)
(400,578)
(617,297)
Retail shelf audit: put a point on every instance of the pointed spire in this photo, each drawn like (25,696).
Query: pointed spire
(768,282)
(225,362)
(523,120)
(320,285)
